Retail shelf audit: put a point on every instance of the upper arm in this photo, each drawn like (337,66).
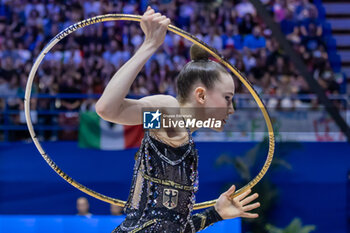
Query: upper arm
(130,111)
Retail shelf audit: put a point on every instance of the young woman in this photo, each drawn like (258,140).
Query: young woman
(165,176)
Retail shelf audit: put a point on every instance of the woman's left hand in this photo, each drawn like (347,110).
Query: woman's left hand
(228,207)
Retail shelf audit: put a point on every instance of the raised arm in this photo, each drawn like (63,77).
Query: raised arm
(112,105)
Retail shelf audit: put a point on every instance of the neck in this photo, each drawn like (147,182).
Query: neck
(189,112)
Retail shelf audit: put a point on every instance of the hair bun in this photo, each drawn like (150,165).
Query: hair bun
(197,53)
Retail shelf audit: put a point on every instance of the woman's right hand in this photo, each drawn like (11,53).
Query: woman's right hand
(155,26)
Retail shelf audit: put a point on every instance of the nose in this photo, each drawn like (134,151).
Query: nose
(230,109)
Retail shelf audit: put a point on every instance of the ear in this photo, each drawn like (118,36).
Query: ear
(200,94)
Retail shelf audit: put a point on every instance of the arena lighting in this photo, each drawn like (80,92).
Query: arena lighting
(180,32)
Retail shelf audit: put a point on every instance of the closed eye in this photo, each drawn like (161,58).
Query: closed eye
(229,100)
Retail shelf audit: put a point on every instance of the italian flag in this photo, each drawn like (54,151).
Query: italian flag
(95,132)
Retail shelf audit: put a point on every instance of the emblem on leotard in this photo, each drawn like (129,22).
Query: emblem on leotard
(170,197)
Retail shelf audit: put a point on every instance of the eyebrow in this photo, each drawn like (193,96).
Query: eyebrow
(231,93)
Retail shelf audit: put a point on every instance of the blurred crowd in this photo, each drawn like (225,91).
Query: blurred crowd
(83,208)
(85,61)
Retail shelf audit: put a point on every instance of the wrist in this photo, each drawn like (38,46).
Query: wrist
(218,211)
(149,45)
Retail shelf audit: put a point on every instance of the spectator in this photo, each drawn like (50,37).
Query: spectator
(3,30)
(186,10)
(232,39)
(288,24)
(311,19)
(248,59)
(300,8)
(113,54)
(135,35)
(69,87)
(34,19)
(83,207)
(213,39)
(17,28)
(245,7)
(280,10)
(91,8)
(311,40)
(87,58)
(37,6)
(116,210)
(247,24)
(256,40)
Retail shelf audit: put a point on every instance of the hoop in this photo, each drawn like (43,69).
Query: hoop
(180,32)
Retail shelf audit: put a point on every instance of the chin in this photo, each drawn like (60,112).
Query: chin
(218,129)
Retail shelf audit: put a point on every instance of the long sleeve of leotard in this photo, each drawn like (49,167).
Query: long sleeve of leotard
(204,219)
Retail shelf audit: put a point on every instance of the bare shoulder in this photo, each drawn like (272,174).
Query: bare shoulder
(170,101)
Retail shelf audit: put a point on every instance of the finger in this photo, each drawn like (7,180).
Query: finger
(249,199)
(243,195)
(250,215)
(230,191)
(159,18)
(149,11)
(147,17)
(251,206)
(156,15)
(165,22)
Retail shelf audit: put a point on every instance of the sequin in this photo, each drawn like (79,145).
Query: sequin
(181,169)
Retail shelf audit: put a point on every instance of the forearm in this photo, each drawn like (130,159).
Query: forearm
(75,105)
(118,87)
(206,218)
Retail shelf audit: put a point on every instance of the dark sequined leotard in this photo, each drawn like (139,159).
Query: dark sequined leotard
(163,190)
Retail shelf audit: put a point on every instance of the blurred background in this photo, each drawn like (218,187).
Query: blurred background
(307,188)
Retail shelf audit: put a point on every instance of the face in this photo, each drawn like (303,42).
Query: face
(116,210)
(83,206)
(217,102)
(256,31)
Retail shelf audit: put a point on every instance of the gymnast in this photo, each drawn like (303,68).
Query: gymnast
(165,177)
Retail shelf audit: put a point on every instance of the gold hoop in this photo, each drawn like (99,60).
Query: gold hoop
(180,32)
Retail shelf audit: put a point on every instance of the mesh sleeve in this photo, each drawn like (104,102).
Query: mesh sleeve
(206,218)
